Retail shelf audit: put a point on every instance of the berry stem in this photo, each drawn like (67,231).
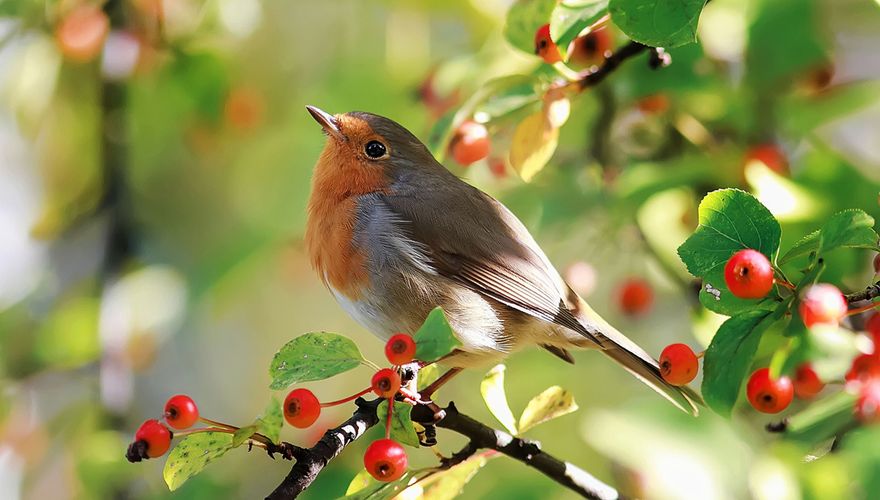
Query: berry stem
(371,364)
(187,432)
(388,418)
(217,424)
(701,354)
(862,309)
(346,400)
(784,283)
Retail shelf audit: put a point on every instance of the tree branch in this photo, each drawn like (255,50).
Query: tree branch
(631,49)
(529,453)
(310,462)
(869,293)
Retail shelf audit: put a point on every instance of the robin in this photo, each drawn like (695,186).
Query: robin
(393,234)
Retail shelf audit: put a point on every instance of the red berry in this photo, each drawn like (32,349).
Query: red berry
(301,408)
(872,326)
(770,155)
(768,395)
(386,383)
(385,460)
(678,364)
(156,435)
(748,274)
(864,367)
(806,382)
(653,104)
(868,404)
(470,143)
(822,303)
(545,47)
(635,296)
(589,49)
(81,33)
(400,349)
(181,412)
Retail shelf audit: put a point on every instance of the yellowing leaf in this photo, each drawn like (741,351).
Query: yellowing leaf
(553,402)
(492,389)
(360,481)
(534,142)
(448,484)
(556,107)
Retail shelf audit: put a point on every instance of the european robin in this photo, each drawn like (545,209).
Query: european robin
(393,234)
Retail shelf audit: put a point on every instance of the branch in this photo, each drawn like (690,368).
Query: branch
(658,59)
(483,436)
(310,462)
(869,293)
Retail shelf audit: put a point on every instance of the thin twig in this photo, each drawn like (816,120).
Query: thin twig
(869,293)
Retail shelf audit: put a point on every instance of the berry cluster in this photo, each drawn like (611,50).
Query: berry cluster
(385,459)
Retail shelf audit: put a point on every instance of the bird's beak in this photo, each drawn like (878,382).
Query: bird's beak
(327,121)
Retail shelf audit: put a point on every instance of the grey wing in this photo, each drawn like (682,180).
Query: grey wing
(479,243)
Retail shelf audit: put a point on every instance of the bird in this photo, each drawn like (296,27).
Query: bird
(393,234)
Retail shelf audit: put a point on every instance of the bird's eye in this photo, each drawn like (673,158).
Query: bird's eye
(375,149)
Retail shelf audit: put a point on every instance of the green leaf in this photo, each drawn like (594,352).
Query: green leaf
(523,20)
(402,429)
(658,23)
(492,389)
(730,220)
(448,484)
(571,17)
(427,375)
(851,228)
(553,402)
(193,454)
(834,349)
(517,93)
(729,358)
(313,356)
(435,337)
(822,419)
(243,434)
(360,482)
(363,487)
(270,423)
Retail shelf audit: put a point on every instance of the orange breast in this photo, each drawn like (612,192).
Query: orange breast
(339,178)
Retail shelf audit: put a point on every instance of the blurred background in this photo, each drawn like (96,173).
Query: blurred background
(155,163)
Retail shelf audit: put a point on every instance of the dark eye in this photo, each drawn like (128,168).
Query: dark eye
(375,149)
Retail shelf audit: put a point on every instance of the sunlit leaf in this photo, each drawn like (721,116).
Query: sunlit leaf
(313,356)
(492,389)
(534,142)
(193,454)
(448,484)
(729,357)
(402,429)
(553,402)
(571,17)
(427,375)
(359,482)
(658,23)
(435,338)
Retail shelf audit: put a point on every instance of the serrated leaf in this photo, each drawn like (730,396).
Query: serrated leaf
(243,434)
(492,389)
(571,17)
(427,375)
(269,424)
(435,338)
(851,228)
(729,357)
(313,356)
(402,429)
(533,144)
(523,20)
(553,402)
(193,454)
(448,484)
(658,23)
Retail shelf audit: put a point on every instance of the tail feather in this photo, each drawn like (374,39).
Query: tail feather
(638,362)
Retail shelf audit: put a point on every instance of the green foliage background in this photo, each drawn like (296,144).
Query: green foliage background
(213,201)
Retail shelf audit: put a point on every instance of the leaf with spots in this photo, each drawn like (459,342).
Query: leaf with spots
(193,454)
(269,424)
(313,356)
(730,220)
(553,402)
(402,429)
(492,389)
(658,23)
(435,338)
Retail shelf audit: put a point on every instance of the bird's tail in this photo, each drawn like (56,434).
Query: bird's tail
(638,362)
